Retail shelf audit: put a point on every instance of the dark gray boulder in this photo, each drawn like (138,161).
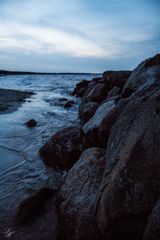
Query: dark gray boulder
(81,92)
(114,92)
(96,93)
(64,148)
(91,128)
(87,110)
(131,181)
(79,193)
(145,77)
(115,78)
(80,88)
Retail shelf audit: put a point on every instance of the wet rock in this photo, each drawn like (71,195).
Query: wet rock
(69,104)
(127,92)
(64,148)
(114,92)
(87,110)
(96,79)
(81,92)
(152,61)
(144,77)
(96,93)
(91,128)
(152,231)
(115,78)
(37,217)
(131,182)
(104,129)
(80,88)
(31,123)
(79,193)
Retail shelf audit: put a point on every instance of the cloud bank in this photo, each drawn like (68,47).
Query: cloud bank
(77,36)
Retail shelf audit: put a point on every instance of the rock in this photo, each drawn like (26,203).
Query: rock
(33,206)
(79,193)
(81,92)
(91,84)
(96,93)
(152,231)
(114,92)
(64,148)
(96,79)
(91,128)
(107,122)
(115,78)
(69,104)
(31,123)
(87,111)
(131,181)
(37,217)
(152,61)
(81,85)
(127,92)
(145,76)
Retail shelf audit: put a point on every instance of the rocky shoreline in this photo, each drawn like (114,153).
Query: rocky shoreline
(112,160)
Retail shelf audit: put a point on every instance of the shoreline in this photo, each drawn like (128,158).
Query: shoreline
(11,100)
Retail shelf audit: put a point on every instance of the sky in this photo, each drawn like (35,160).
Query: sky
(77,35)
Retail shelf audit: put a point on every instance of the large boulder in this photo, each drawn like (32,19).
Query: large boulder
(131,181)
(144,77)
(77,220)
(81,88)
(64,148)
(87,110)
(90,129)
(115,78)
(96,93)
(97,129)
(105,126)
(114,92)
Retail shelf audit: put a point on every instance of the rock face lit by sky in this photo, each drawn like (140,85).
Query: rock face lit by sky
(77,35)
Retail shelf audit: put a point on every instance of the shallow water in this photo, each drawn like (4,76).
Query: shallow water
(21,169)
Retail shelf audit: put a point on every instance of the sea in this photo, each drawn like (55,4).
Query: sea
(22,171)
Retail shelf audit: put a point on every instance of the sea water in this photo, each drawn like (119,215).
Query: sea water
(21,169)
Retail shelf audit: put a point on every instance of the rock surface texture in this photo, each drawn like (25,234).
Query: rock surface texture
(64,148)
(79,194)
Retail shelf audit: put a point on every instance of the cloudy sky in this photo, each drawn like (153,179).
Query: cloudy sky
(77,35)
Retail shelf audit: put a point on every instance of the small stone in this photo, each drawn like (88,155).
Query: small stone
(68,104)
(31,123)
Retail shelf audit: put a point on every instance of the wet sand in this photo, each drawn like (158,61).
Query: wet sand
(11,100)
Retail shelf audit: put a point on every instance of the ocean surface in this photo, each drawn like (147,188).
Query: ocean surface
(21,169)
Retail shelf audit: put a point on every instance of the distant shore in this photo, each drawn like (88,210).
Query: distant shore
(6,72)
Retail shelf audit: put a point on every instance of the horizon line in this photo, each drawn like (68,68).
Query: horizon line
(7,72)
